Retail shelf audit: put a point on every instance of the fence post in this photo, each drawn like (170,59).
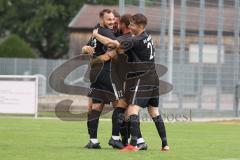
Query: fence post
(163,23)
(15,66)
(237,97)
(121,7)
(200,54)
(182,51)
(142,6)
(170,44)
(219,53)
(236,56)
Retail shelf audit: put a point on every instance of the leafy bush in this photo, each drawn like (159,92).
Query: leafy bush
(14,46)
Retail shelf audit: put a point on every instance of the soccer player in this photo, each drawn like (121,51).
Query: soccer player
(142,51)
(103,82)
(116,28)
(125,30)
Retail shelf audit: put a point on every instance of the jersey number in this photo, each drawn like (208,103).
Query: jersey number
(94,43)
(149,45)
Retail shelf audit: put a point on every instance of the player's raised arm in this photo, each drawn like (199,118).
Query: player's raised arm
(104,40)
(111,53)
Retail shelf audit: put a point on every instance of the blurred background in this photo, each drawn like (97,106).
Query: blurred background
(198,40)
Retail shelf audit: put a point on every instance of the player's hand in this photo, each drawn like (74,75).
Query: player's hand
(104,57)
(95,32)
(88,50)
(112,53)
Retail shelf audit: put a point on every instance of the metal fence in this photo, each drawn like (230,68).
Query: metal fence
(184,96)
(197,40)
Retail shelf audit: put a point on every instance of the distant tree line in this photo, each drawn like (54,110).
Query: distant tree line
(42,23)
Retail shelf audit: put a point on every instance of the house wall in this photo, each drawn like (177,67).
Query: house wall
(79,39)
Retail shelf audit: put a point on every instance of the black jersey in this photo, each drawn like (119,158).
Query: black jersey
(126,44)
(99,47)
(142,49)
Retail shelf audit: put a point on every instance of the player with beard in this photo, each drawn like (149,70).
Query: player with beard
(126,33)
(142,51)
(103,82)
(125,130)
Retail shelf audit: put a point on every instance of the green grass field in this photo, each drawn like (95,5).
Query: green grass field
(33,139)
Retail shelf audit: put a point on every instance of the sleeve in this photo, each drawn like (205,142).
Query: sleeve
(107,33)
(123,38)
(89,42)
(126,43)
(135,41)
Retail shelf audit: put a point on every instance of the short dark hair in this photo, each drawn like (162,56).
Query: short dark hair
(139,19)
(115,13)
(125,19)
(101,14)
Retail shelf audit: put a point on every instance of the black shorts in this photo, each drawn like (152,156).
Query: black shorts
(146,102)
(102,84)
(143,91)
(109,85)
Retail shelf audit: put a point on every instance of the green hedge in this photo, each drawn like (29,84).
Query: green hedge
(16,47)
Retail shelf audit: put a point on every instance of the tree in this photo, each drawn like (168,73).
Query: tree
(107,2)
(42,23)
(14,46)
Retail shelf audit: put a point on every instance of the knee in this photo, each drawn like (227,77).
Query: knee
(132,110)
(97,107)
(120,104)
(153,111)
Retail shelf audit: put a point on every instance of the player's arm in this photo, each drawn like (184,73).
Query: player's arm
(108,55)
(87,49)
(102,58)
(104,40)
(105,57)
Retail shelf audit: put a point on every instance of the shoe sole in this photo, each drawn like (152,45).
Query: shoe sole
(142,148)
(128,150)
(113,146)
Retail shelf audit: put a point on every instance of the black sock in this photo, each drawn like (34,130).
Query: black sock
(92,123)
(125,132)
(134,129)
(128,127)
(140,133)
(117,120)
(161,129)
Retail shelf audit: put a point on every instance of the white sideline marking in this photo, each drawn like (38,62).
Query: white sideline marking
(230,159)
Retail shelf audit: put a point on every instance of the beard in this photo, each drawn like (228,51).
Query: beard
(110,26)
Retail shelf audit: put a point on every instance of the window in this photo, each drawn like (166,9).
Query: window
(210,53)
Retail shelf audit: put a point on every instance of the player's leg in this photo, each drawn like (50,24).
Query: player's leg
(159,123)
(125,133)
(141,144)
(120,105)
(141,102)
(92,123)
(133,111)
(89,104)
(117,121)
(125,130)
